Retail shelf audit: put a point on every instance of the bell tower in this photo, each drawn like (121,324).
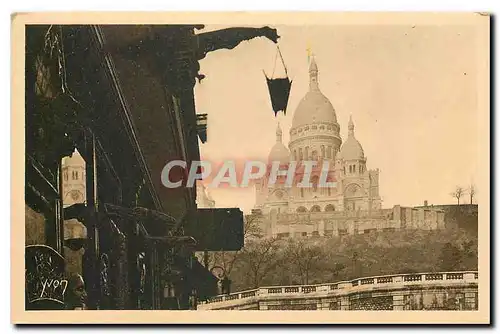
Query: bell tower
(73,173)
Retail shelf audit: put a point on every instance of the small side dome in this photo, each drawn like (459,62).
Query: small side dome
(351,149)
(279,152)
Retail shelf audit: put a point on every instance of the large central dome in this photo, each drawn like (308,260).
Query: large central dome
(314,107)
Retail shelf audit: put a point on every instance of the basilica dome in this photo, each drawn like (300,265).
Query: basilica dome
(279,152)
(314,106)
(351,149)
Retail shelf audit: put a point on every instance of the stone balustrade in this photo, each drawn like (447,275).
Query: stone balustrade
(404,291)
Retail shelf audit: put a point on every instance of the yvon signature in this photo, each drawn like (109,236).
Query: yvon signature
(50,287)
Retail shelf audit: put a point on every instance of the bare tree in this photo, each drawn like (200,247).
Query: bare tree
(472,192)
(458,193)
(258,258)
(227,259)
(212,261)
(305,258)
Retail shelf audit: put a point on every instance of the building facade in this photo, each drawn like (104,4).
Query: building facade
(350,202)
(122,96)
(203,198)
(73,184)
(90,185)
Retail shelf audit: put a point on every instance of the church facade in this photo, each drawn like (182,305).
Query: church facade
(351,203)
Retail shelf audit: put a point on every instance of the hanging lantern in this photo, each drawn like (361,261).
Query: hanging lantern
(201,127)
(279,89)
(169,290)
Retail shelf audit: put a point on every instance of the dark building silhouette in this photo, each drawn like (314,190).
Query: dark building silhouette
(123,97)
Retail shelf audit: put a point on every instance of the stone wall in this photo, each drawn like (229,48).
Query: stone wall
(426,291)
(34,227)
(335,223)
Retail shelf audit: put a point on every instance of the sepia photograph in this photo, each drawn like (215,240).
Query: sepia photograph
(204,165)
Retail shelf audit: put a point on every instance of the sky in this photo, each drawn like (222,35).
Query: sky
(411,91)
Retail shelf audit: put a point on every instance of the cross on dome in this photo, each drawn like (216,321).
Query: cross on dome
(314,106)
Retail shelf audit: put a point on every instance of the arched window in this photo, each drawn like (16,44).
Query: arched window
(329,207)
(306,153)
(315,155)
(315,208)
(322,151)
(329,152)
(295,155)
(301,209)
(301,157)
(354,168)
(301,192)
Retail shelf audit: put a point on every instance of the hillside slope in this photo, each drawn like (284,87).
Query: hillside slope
(318,260)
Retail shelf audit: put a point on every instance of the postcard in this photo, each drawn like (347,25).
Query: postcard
(235,167)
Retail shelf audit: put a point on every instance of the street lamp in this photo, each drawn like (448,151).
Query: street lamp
(169,290)
(354,265)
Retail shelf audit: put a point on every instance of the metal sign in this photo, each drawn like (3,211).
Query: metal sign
(219,229)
